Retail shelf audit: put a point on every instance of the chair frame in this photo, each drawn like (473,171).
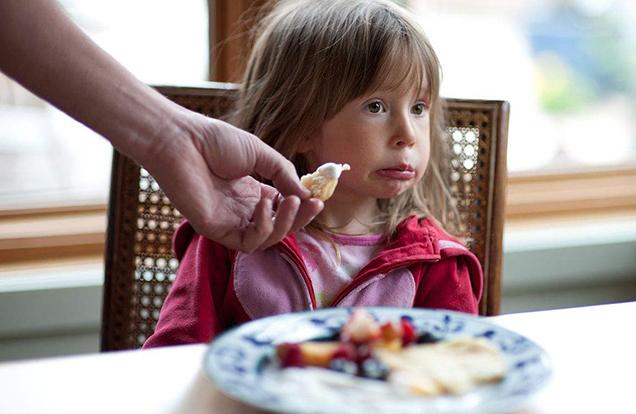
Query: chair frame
(120,301)
(498,112)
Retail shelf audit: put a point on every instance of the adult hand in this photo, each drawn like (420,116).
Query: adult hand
(205,172)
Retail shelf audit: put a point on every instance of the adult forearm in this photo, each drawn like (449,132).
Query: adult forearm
(202,164)
(41,48)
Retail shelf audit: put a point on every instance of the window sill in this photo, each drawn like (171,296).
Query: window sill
(536,197)
(50,234)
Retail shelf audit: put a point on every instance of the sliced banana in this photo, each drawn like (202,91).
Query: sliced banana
(323,181)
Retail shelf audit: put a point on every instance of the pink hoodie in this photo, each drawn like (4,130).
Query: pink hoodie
(217,288)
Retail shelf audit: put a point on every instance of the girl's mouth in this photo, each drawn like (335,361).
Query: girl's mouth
(403,173)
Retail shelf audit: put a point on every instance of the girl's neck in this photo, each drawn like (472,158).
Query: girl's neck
(353,217)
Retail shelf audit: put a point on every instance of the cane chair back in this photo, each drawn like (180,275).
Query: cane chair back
(140,266)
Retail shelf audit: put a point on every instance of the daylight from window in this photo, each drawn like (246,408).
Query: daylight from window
(46,158)
(567,67)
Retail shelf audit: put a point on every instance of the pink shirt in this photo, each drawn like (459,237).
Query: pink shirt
(330,274)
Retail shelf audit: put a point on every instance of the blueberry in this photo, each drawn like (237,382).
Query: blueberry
(427,338)
(374,369)
(328,338)
(344,365)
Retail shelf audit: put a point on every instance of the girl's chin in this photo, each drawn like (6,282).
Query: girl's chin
(383,190)
(394,189)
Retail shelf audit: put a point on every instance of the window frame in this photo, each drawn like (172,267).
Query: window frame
(533,196)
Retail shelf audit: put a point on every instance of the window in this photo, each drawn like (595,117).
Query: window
(56,172)
(566,66)
(49,160)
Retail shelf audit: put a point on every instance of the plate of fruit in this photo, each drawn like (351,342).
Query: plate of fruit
(384,359)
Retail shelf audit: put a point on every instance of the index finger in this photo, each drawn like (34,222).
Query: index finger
(272,165)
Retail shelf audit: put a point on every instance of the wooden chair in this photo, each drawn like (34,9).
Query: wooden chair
(140,266)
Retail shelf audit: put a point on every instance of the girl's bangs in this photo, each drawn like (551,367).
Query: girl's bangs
(407,66)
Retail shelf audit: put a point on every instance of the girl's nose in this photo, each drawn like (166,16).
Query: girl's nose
(404,134)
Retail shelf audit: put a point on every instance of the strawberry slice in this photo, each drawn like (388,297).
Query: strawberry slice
(408,332)
(290,355)
(346,350)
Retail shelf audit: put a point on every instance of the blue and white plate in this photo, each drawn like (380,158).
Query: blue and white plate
(242,364)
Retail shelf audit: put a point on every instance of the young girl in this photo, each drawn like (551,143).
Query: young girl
(350,81)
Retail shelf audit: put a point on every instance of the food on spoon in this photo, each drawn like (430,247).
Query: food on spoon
(322,183)
(421,364)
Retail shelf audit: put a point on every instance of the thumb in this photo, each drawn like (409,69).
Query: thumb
(273,166)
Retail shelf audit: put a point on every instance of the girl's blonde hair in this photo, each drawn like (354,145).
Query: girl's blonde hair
(311,57)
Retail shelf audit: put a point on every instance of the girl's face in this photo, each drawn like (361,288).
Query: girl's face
(384,136)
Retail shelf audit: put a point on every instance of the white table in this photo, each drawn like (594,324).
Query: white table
(592,351)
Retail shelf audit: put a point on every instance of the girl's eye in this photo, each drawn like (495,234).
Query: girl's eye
(376,107)
(418,109)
